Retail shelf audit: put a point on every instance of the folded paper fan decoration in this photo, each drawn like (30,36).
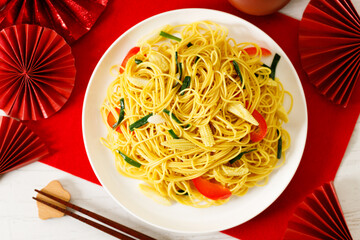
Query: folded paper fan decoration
(18,145)
(69,18)
(319,216)
(329,45)
(37,71)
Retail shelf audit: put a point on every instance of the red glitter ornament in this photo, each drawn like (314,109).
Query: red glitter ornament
(319,216)
(37,71)
(18,145)
(69,18)
(329,44)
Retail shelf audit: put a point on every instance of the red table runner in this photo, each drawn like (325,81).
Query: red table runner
(330,126)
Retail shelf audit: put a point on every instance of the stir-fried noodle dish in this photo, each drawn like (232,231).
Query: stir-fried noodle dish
(196,115)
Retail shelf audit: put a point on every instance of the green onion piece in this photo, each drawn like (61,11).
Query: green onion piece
(189,44)
(121,114)
(180,75)
(138,61)
(168,35)
(186,84)
(176,62)
(279,150)
(237,69)
(172,133)
(240,155)
(178,66)
(197,59)
(175,118)
(129,160)
(274,63)
(172,116)
(264,65)
(139,123)
(180,70)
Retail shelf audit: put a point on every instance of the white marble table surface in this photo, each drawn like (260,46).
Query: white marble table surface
(18,212)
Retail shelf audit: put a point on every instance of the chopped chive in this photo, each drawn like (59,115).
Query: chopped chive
(172,133)
(139,123)
(274,63)
(189,44)
(279,150)
(186,84)
(237,69)
(138,61)
(240,155)
(175,118)
(168,35)
(129,160)
(121,114)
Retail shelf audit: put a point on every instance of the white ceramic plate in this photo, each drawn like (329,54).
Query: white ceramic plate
(180,218)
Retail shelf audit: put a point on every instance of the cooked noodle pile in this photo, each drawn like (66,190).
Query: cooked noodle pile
(187,100)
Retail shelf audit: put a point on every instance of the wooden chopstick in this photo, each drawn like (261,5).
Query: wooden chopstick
(126,233)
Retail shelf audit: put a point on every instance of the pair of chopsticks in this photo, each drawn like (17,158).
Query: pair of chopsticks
(123,232)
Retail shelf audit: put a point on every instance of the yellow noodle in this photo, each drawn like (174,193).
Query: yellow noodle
(203,105)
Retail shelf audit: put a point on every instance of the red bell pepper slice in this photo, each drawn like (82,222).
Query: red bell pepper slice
(252,51)
(261,131)
(211,190)
(131,53)
(111,120)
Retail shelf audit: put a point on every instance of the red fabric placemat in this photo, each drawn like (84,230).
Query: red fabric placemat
(330,126)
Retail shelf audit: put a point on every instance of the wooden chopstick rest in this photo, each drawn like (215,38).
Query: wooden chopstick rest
(54,188)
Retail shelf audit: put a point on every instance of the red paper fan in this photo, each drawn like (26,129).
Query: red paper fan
(18,145)
(329,44)
(37,71)
(70,18)
(319,216)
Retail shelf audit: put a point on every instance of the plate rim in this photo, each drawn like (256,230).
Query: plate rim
(302,94)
